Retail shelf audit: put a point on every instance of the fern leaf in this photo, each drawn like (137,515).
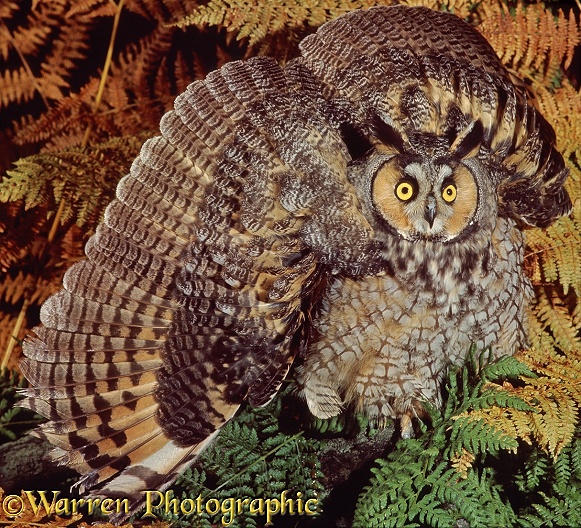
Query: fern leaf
(252,458)
(558,513)
(488,430)
(564,368)
(563,468)
(551,311)
(462,462)
(532,473)
(530,39)
(67,48)
(14,288)
(554,425)
(257,20)
(16,86)
(93,8)
(506,367)
(68,115)
(541,339)
(461,8)
(83,176)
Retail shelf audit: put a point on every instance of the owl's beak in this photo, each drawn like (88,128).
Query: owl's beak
(430,212)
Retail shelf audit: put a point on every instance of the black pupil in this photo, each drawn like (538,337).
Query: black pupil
(405,189)
(449,191)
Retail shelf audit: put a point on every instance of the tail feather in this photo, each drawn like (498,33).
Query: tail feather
(155,473)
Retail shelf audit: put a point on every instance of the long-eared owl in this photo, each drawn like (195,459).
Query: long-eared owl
(360,208)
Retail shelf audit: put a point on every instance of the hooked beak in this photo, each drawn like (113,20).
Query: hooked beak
(430,212)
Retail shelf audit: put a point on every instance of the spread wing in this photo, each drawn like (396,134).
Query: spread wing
(198,284)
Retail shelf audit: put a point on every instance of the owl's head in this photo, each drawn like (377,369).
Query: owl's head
(428,187)
(425,199)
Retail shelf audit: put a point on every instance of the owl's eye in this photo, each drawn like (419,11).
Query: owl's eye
(405,190)
(449,193)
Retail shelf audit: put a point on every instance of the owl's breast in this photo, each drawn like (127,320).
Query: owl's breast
(384,342)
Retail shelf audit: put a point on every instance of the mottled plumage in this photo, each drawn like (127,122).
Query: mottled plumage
(361,208)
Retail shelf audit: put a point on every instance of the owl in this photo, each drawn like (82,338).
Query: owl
(358,212)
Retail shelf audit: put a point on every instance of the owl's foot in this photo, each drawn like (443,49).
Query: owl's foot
(406,426)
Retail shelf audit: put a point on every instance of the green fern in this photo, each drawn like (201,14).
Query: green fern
(417,485)
(84,177)
(466,471)
(251,459)
(14,420)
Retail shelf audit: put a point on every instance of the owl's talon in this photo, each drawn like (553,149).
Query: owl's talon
(406,426)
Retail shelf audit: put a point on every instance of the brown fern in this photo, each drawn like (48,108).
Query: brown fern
(553,397)
(461,8)
(59,46)
(532,41)
(67,113)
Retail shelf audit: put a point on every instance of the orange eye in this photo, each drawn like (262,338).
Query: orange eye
(404,191)
(449,193)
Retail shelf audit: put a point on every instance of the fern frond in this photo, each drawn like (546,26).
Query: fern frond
(556,254)
(47,50)
(564,367)
(529,39)
(16,86)
(144,70)
(27,40)
(556,512)
(559,246)
(539,335)
(551,310)
(561,105)
(255,21)
(13,289)
(462,462)
(506,367)
(7,11)
(251,459)
(509,412)
(67,48)
(533,472)
(554,425)
(86,178)
(93,8)
(66,116)
(412,488)
(484,430)
(543,408)
(461,8)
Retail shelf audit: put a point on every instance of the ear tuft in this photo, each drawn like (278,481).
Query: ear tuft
(468,141)
(387,133)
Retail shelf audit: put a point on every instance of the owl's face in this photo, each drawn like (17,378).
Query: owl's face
(425,200)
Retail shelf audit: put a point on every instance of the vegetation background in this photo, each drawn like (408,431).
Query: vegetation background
(83,83)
